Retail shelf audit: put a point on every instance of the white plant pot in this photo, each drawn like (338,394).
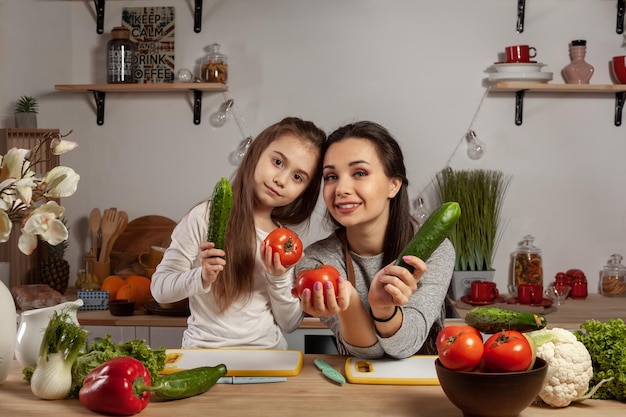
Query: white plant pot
(462,282)
(7,331)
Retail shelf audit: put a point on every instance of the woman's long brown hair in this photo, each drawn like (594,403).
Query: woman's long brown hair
(237,279)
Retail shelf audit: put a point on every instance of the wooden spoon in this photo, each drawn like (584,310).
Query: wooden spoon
(122,222)
(108,226)
(94,226)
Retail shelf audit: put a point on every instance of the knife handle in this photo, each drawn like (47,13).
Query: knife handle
(329,372)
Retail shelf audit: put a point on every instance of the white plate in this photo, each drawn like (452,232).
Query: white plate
(533,76)
(518,67)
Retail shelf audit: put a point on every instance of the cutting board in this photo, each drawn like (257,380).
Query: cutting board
(239,362)
(415,370)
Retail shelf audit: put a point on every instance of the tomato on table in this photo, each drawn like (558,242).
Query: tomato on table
(287,243)
(322,274)
(508,351)
(460,348)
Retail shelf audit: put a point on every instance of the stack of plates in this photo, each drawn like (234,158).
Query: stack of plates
(520,71)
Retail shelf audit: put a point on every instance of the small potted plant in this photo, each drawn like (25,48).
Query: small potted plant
(26,112)
(480,194)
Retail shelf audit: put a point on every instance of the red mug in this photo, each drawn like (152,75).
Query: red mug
(483,291)
(530,293)
(520,53)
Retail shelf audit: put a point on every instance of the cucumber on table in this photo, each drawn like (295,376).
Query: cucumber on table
(432,233)
(190,382)
(493,320)
(221,204)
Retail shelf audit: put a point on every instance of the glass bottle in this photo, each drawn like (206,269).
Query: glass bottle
(612,282)
(215,66)
(421,213)
(527,263)
(578,71)
(120,57)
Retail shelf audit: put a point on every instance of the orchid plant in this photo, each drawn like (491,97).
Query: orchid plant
(28,198)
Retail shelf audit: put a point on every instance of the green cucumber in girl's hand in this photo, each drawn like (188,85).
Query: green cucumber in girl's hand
(221,203)
(432,233)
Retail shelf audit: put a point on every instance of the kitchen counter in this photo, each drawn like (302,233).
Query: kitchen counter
(308,394)
(568,315)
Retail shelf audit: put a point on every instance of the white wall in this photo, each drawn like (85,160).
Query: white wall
(417,67)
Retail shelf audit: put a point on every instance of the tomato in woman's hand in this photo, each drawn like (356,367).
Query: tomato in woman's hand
(508,351)
(460,348)
(322,274)
(287,243)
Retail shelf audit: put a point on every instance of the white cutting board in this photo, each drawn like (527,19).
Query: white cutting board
(415,370)
(239,362)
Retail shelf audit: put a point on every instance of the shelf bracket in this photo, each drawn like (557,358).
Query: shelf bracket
(619,105)
(521,6)
(197,16)
(99,4)
(197,106)
(519,106)
(620,16)
(99,97)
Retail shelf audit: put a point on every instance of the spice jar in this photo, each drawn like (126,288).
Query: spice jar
(612,282)
(120,57)
(215,66)
(579,286)
(527,263)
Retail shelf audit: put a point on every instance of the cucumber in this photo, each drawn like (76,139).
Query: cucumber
(493,320)
(432,233)
(221,203)
(187,383)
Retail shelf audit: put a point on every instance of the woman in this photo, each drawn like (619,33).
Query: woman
(381,309)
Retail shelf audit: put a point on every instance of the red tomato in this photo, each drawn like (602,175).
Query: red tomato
(507,351)
(460,348)
(323,274)
(449,332)
(287,244)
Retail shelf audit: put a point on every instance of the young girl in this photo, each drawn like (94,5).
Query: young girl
(381,309)
(241,296)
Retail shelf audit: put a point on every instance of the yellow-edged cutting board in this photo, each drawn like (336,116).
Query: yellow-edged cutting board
(239,362)
(415,370)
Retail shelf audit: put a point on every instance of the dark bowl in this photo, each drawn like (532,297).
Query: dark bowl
(492,394)
(122,307)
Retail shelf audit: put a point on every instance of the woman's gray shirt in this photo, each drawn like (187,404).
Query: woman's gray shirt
(425,307)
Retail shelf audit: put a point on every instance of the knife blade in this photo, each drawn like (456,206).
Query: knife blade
(250,379)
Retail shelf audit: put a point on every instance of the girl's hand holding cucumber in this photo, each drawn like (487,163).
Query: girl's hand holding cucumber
(394,284)
(212,262)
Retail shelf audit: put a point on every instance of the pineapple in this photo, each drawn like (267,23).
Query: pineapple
(55,270)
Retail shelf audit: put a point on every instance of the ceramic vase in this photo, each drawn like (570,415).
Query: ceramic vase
(32,326)
(7,331)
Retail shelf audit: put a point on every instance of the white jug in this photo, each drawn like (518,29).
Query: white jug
(32,326)
(7,331)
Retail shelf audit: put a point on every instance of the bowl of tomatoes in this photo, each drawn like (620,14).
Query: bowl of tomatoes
(496,377)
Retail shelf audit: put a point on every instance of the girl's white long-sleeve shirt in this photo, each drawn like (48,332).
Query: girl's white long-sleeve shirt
(257,321)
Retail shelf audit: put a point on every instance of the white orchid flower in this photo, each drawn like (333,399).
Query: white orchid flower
(15,162)
(63,146)
(5,227)
(60,182)
(43,221)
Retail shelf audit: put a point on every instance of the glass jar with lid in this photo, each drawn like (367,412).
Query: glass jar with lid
(527,263)
(121,57)
(215,66)
(613,280)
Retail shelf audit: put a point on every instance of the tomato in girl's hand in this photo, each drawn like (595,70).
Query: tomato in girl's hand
(460,348)
(322,274)
(508,351)
(287,243)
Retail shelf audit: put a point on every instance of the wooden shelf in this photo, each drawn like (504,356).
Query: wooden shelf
(99,92)
(520,88)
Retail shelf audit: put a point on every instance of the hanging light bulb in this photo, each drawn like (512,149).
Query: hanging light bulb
(237,155)
(220,117)
(475,147)
(421,212)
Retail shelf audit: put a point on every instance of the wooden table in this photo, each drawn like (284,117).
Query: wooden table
(308,394)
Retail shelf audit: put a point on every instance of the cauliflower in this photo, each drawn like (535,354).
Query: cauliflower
(569,366)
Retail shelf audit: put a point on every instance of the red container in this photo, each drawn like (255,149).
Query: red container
(618,66)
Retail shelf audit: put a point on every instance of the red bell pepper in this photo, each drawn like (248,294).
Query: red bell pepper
(119,386)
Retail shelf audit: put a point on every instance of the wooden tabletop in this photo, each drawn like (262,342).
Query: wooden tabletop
(568,315)
(309,394)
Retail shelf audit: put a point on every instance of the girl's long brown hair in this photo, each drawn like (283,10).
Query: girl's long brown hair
(237,278)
